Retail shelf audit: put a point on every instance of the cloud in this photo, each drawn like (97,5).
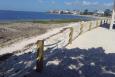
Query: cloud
(88,3)
(48,2)
(71,3)
(68,3)
(81,3)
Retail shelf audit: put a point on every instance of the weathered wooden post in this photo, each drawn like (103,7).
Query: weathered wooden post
(90,25)
(81,28)
(40,55)
(101,23)
(97,24)
(70,35)
(107,21)
(104,21)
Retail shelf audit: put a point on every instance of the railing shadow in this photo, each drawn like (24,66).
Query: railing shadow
(66,63)
(15,65)
(114,26)
(105,25)
(78,63)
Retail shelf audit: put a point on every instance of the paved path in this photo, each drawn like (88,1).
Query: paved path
(99,37)
(85,57)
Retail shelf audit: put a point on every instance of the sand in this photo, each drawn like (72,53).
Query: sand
(13,32)
(99,37)
(91,54)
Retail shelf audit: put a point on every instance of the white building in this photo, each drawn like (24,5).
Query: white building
(99,13)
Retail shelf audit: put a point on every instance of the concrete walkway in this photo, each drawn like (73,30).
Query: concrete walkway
(99,37)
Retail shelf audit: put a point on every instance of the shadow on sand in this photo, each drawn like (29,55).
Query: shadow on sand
(107,26)
(65,63)
(78,63)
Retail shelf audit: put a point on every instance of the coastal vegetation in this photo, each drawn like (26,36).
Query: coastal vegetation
(56,21)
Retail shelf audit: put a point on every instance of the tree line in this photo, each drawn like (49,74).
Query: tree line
(106,12)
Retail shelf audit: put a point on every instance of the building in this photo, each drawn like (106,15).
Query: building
(99,13)
(75,12)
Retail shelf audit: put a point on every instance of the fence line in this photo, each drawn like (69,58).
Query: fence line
(91,25)
(59,39)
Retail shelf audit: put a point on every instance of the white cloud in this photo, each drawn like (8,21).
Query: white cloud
(46,1)
(68,3)
(81,3)
(71,3)
(88,3)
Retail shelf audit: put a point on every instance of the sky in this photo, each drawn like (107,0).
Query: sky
(45,5)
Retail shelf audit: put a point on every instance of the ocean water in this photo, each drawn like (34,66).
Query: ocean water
(21,15)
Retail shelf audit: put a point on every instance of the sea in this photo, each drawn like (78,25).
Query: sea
(6,15)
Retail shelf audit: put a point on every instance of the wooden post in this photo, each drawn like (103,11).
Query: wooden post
(81,28)
(40,55)
(106,21)
(97,24)
(109,21)
(101,23)
(90,25)
(70,35)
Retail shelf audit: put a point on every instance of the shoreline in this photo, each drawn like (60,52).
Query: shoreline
(89,17)
(54,20)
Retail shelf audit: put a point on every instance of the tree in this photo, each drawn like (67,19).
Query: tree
(85,12)
(107,12)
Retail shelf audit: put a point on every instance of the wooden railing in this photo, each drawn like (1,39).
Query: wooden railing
(38,50)
(75,31)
